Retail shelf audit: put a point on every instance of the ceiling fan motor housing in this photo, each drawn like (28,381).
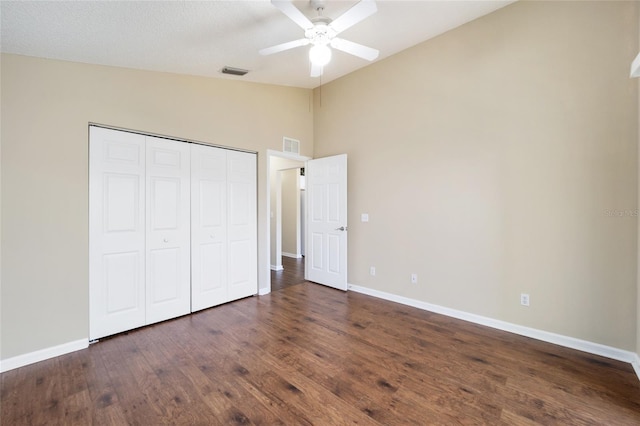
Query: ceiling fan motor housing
(321,33)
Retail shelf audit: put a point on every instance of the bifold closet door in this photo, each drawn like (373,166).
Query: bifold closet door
(223,226)
(116,232)
(208,227)
(168,201)
(242,250)
(172,229)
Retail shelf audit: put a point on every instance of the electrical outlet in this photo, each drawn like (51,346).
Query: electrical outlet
(372,271)
(524,299)
(414,278)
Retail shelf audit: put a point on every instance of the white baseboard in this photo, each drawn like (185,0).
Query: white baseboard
(263,291)
(636,365)
(295,256)
(566,341)
(277,268)
(42,354)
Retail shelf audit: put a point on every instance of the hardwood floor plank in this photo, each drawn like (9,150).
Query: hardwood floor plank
(77,408)
(138,408)
(292,274)
(165,381)
(221,387)
(42,386)
(289,387)
(311,355)
(325,364)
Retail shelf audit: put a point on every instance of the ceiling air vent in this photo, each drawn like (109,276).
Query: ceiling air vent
(290,145)
(233,71)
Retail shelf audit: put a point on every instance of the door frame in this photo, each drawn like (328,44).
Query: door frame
(267,266)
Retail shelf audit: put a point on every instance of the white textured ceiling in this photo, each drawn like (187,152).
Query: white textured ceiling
(200,37)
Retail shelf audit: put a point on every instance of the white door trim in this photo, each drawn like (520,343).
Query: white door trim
(265,282)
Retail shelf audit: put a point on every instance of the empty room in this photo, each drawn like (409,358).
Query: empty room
(319,212)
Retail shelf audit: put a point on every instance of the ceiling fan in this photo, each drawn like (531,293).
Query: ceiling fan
(321,33)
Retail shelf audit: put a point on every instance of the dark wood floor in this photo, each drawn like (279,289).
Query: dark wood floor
(292,274)
(308,354)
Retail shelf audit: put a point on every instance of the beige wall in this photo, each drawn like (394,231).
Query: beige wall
(46,108)
(488,160)
(290,211)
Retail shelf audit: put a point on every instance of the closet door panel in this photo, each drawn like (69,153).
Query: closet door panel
(168,229)
(241,225)
(173,229)
(208,227)
(116,232)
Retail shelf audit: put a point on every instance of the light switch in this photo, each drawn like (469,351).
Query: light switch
(364,217)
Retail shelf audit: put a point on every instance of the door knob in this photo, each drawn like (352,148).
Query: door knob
(165,240)
(342,228)
(212,236)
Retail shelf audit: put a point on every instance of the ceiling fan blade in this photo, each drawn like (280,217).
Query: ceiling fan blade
(357,13)
(284,46)
(293,13)
(316,70)
(355,49)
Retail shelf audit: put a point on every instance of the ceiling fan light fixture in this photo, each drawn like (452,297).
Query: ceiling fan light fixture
(321,33)
(320,55)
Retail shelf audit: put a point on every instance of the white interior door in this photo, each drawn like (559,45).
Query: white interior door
(326,258)
(168,289)
(242,250)
(208,227)
(116,231)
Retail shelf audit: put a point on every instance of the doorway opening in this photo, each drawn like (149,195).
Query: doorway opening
(286,208)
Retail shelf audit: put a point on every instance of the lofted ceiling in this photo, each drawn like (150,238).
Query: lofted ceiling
(201,37)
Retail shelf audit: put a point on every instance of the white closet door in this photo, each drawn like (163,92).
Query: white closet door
(208,227)
(116,231)
(168,229)
(241,225)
